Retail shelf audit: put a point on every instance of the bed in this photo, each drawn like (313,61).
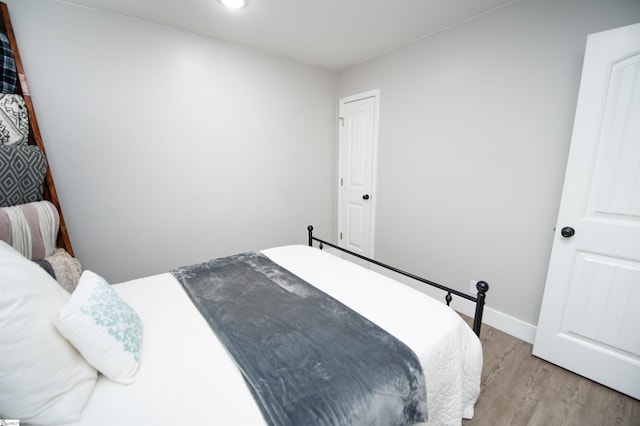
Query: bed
(451,356)
(186,376)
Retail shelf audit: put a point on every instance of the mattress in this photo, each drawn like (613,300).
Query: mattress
(187,377)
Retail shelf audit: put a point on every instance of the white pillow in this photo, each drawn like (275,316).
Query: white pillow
(43,379)
(106,331)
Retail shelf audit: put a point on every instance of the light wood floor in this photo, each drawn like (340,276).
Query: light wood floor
(520,389)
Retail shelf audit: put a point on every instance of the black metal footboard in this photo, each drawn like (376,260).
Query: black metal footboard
(481,286)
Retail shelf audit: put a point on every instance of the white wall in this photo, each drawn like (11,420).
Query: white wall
(475,126)
(169,148)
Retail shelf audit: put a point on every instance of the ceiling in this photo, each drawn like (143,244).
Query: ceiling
(331,34)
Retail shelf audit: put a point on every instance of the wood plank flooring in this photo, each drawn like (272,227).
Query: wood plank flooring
(520,389)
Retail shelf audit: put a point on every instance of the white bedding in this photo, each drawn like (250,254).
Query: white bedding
(187,377)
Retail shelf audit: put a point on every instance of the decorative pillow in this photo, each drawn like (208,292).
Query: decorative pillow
(22,171)
(14,120)
(8,72)
(30,228)
(106,331)
(66,269)
(43,379)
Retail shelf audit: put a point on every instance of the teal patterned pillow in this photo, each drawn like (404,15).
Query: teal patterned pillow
(103,327)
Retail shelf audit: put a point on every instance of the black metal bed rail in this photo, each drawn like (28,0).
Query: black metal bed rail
(481,286)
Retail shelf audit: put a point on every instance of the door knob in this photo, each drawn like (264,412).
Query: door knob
(567,232)
(365,197)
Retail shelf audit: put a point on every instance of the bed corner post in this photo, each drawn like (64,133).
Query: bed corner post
(482,287)
(310,230)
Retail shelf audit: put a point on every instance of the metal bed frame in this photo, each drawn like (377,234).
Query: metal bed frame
(481,286)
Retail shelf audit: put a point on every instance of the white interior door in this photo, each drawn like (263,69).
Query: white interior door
(590,317)
(357,140)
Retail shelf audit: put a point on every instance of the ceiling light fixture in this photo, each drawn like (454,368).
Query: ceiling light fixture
(234,4)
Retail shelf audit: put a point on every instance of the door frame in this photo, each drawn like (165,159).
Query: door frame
(375,94)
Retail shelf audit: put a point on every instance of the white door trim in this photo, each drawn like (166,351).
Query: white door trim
(375,94)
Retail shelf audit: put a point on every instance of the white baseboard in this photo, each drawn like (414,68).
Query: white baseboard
(503,322)
(510,325)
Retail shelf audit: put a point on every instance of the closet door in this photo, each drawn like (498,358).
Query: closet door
(35,137)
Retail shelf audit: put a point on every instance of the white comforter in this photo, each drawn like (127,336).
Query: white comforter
(187,377)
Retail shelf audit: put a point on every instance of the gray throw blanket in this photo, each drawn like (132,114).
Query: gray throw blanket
(307,358)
